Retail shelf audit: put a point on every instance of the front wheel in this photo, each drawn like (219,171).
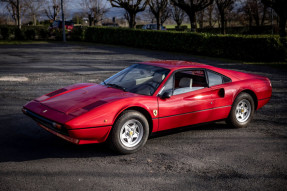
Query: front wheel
(129,133)
(242,111)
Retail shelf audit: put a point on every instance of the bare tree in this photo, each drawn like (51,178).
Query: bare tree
(200,18)
(223,6)
(95,10)
(53,9)
(33,8)
(159,8)
(280,7)
(191,7)
(209,14)
(14,7)
(178,15)
(132,7)
(166,14)
(254,10)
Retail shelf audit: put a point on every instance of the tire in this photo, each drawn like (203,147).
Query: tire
(242,111)
(129,133)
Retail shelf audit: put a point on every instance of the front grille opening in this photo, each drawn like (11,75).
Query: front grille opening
(47,123)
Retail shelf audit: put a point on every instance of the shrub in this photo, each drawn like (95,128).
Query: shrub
(43,34)
(259,48)
(58,34)
(5,33)
(30,34)
(19,34)
(27,32)
(181,28)
(77,33)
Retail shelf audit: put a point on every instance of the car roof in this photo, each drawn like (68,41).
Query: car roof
(176,64)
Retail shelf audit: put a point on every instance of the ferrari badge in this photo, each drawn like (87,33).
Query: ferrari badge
(155,112)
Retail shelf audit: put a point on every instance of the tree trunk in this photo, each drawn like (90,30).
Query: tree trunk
(256,18)
(90,20)
(34,20)
(222,21)
(263,16)
(132,20)
(250,20)
(158,21)
(200,19)
(192,19)
(282,25)
(210,19)
(210,9)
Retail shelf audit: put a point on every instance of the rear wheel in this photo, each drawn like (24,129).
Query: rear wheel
(129,133)
(242,111)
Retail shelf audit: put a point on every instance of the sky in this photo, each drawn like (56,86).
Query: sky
(74,6)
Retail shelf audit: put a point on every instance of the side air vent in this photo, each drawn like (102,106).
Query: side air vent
(56,92)
(93,105)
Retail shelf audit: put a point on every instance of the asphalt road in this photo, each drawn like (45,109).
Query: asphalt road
(208,157)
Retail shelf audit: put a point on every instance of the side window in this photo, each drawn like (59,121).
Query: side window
(168,85)
(214,79)
(189,80)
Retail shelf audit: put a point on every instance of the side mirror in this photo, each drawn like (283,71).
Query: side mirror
(166,94)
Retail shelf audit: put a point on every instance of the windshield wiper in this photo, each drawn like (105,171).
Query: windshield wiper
(116,86)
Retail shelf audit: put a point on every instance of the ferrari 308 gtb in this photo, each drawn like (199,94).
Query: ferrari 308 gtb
(146,98)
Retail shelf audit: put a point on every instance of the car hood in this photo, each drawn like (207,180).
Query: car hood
(85,98)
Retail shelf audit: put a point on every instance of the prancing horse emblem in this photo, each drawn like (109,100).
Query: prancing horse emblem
(155,112)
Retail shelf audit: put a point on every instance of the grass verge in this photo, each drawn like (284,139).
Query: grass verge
(7,42)
(277,65)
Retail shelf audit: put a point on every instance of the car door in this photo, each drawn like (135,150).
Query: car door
(222,94)
(185,107)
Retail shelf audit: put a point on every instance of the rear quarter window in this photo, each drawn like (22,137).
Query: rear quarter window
(214,79)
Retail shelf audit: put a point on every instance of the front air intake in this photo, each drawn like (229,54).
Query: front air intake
(56,92)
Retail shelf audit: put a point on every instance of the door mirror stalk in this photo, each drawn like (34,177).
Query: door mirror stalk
(166,95)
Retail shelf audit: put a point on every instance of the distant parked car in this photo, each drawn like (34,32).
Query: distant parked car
(152,27)
(69,25)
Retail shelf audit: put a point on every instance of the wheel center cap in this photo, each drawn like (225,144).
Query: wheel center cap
(131,133)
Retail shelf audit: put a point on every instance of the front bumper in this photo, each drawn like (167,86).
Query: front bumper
(76,136)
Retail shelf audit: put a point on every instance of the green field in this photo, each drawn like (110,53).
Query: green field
(173,26)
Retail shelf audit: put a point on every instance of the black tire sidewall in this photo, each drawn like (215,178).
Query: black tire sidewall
(115,141)
(232,116)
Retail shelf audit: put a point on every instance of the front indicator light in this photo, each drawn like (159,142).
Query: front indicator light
(24,110)
(56,125)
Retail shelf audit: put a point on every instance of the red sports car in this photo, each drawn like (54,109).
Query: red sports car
(146,98)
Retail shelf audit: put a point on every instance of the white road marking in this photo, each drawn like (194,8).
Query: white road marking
(13,79)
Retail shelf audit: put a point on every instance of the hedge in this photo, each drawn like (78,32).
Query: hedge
(8,32)
(247,47)
(242,47)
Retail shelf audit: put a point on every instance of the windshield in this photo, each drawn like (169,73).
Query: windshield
(138,78)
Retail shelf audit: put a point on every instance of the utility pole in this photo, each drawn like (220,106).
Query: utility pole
(272,17)
(63,22)
(18,14)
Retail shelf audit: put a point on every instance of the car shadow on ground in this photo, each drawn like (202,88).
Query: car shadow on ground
(216,126)
(23,140)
